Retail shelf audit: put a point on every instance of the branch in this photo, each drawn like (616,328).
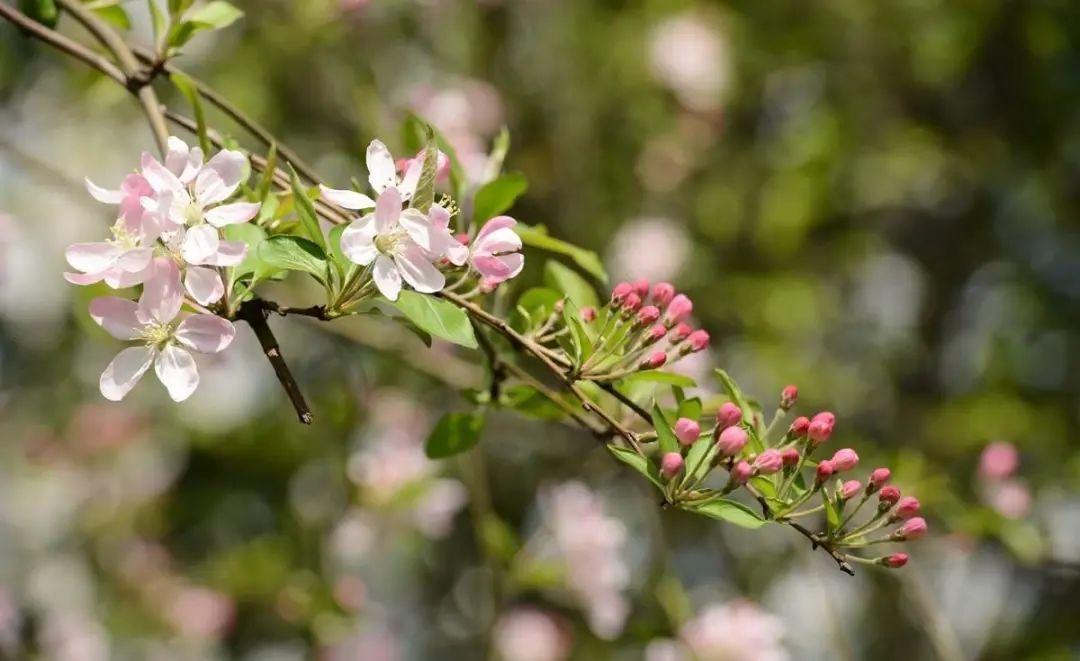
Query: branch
(815,542)
(255,312)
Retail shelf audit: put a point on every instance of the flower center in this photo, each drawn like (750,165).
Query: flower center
(156,335)
(193,214)
(390,242)
(124,238)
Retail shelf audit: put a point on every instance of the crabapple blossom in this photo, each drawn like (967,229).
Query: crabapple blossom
(799,426)
(681,332)
(662,293)
(382,176)
(641,287)
(894,561)
(788,396)
(648,315)
(121,261)
(655,360)
(877,479)
(769,462)
(731,441)
(678,309)
(845,460)
(687,431)
(620,292)
(671,465)
(698,341)
(631,302)
(888,496)
(849,489)
(735,631)
(824,471)
(165,343)
(495,253)
(728,415)
(907,507)
(742,472)
(998,460)
(588,314)
(913,528)
(791,456)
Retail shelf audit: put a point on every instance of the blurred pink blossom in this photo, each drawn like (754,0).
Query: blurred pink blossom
(199,612)
(530,634)
(691,55)
(999,460)
(1011,498)
(736,631)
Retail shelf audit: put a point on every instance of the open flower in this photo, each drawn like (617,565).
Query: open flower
(120,261)
(495,252)
(165,343)
(401,244)
(382,174)
(128,197)
(201,280)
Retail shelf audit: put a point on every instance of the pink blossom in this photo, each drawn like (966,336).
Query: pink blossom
(681,332)
(496,252)
(728,415)
(742,472)
(878,478)
(641,287)
(121,261)
(1011,498)
(788,396)
(687,431)
(895,560)
(662,293)
(913,528)
(655,360)
(731,441)
(799,426)
(769,461)
(999,460)
(588,314)
(821,427)
(849,489)
(907,507)
(678,309)
(824,471)
(844,460)
(889,495)
(735,631)
(530,634)
(657,333)
(621,291)
(631,302)
(791,456)
(698,341)
(165,344)
(648,314)
(671,465)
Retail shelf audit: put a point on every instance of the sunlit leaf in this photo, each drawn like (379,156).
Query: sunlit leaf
(454,433)
(438,317)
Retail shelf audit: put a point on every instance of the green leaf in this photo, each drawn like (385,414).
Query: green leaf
(690,408)
(699,459)
(454,433)
(566,280)
(535,306)
(637,462)
(211,16)
(253,236)
(656,376)
(438,317)
(340,260)
(499,538)
(114,15)
(305,210)
(736,396)
(415,137)
(526,400)
(832,513)
(293,253)
(499,149)
(537,236)
(765,486)
(497,196)
(191,93)
(664,434)
(731,511)
(583,344)
(42,11)
(266,182)
(177,7)
(158,21)
(424,196)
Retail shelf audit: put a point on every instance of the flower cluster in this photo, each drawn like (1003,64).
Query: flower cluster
(167,237)
(783,475)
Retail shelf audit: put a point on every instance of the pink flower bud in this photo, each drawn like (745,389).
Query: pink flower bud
(588,314)
(849,489)
(648,315)
(462,238)
(791,456)
(788,396)
(620,292)
(824,471)
(656,333)
(678,309)
(999,460)
(641,287)
(687,431)
(731,441)
(662,293)
(888,496)
(912,529)
(877,479)
(681,332)
(821,428)
(632,302)
(768,462)
(799,426)
(907,507)
(894,561)
(655,360)
(671,465)
(728,415)
(844,460)
(741,472)
(699,341)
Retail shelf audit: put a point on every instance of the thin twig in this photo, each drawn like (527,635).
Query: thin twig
(255,312)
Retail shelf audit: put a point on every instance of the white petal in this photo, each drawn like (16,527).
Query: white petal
(346,199)
(387,209)
(205,333)
(177,155)
(382,173)
(500,241)
(386,277)
(220,177)
(91,257)
(162,294)
(456,252)
(118,316)
(204,284)
(85,278)
(439,216)
(358,241)
(135,259)
(230,253)
(159,177)
(418,271)
(118,279)
(419,229)
(193,166)
(176,370)
(102,194)
(231,214)
(124,372)
(411,178)
(200,244)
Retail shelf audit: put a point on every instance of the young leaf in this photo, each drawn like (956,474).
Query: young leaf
(664,434)
(656,376)
(191,93)
(535,306)
(334,240)
(42,11)
(690,408)
(731,511)
(496,196)
(158,21)
(638,463)
(736,395)
(293,253)
(211,16)
(306,211)
(438,317)
(583,344)
(576,288)
(253,236)
(454,433)
(114,15)
(537,236)
(699,459)
(424,196)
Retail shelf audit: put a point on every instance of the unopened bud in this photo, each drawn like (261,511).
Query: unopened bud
(698,340)
(671,465)
(678,309)
(912,529)
(821,428)
(788,396)
(791,456)
(641,287)
(648,315)
(655,360)
(845,460)
(728,415)
(632,302)
(888,496)
(687,431)
(849,489)
(824,471)
(768,462)
(681,332)
(656,333)
(906,508)
(731,441)
(742,472)
(620,292)
(893,561)
(878,478)
(662,293)
(588,314)
(799,426)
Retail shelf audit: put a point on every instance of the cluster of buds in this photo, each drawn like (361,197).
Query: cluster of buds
(641,327)
(777,468)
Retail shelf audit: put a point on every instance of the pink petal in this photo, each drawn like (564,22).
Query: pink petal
(231,214)
(382,174)
(346,199)
(162,294)
(387,209)
(118,279)
(118,316)
(358,241)
(220,177)
(85,278)
(412,177)
(91,257)
(230,253)
(386,276)
(200,244)
(418,271)
(135,259)
(102,194)
(204,284)
(496,223)
(205,333)
(124,372)
(439,216)
(418,227)
(176,370)
(159,177)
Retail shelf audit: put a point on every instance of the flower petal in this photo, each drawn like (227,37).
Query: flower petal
(91,257)
(419,229)
(204,284)
(358,241)
(103,194)
(118,279)
(85,278)
(135,259)
(205,333)
(382,173)
(496,223)
(220,177)
(412,177)
(386,277)
(118,316)
(159,177)
(231,214)
(387,209)
(418,271)
(176,370)
(346,199)
(200,244)
(124,372)
(229,253)
(162,294)
(439,216)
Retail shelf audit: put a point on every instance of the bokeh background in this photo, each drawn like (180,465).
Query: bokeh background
(877,201)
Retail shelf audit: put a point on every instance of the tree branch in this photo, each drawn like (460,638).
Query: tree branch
(255,313)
